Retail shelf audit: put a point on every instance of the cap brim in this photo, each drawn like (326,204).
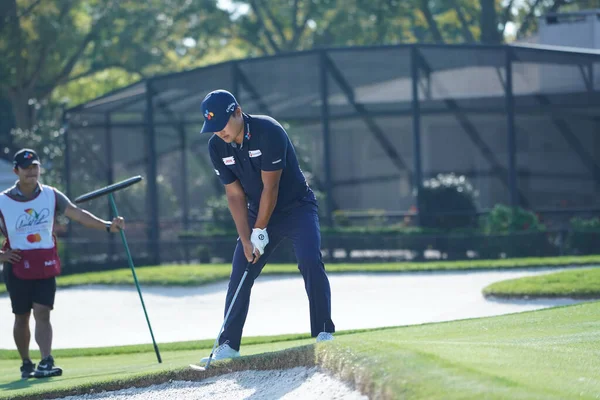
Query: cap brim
(215,125)
(28,163)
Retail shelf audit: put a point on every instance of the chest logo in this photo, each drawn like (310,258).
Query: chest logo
(229,160)
(254,153)
(32,218)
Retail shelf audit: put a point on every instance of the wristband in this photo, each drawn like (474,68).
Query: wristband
(108,225)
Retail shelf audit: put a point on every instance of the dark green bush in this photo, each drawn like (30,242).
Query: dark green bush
(447,202)
(584,236)
(514,233)
(504,219)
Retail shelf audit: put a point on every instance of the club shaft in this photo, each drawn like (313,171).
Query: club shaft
(137,285)
(228,312)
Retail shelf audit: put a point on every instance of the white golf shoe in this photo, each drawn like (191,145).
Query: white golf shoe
(222,352)
(324,337)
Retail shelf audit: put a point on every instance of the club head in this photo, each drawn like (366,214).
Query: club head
(197,367)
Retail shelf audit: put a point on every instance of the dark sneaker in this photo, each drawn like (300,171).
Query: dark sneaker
(46,368)
(27,369)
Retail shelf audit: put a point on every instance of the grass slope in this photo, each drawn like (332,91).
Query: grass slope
(581,284)
(547,354)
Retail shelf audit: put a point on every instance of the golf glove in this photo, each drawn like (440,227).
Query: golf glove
(259,239)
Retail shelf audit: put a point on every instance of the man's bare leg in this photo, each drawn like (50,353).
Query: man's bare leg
(43,329)
(22,334)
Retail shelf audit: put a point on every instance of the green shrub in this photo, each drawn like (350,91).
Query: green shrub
(503,219)
(447,194)
(584,236)
(514,233)
(202,253)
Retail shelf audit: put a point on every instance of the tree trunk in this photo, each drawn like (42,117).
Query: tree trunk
(23,112)
(489,23)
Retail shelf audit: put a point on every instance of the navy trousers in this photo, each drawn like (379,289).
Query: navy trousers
(301,225)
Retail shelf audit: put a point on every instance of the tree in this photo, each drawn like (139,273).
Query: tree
(45,44)
(280,26)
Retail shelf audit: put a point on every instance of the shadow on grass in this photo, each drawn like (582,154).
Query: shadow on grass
(19,384)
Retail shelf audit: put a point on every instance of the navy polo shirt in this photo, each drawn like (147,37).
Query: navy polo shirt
(266,147)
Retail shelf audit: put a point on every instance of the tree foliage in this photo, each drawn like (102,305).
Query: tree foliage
(46,44)
(276,26)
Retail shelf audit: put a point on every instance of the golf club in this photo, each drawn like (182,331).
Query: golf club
(201,368)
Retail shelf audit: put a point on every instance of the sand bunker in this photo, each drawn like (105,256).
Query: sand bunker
(296,383)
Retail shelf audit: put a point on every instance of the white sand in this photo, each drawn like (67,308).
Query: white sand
(297,383)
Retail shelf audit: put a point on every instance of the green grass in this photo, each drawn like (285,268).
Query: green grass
(546,354)
(581,283)
(145,348)
(194,275)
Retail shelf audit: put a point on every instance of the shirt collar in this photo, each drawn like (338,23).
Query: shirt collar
(38,188)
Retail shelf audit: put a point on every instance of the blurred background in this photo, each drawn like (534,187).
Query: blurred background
(450,129)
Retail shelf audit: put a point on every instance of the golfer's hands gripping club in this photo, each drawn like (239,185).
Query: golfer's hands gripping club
(118,224)
(256,248)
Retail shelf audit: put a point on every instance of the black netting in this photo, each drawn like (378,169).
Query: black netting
(558,159)
(378,80)
(179,97)
(284,87)
(463,125)
(373,164)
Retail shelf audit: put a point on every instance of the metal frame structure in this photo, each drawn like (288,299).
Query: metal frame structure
(145,92)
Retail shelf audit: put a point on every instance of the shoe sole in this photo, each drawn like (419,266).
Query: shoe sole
(43,374)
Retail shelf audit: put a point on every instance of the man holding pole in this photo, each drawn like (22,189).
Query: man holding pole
(30,255)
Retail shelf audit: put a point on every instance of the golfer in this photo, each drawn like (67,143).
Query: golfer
(269,200)
(30,256)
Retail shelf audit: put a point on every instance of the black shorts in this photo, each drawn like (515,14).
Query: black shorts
(24,292)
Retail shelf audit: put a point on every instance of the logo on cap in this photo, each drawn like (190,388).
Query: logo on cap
(27,155)
(208,115)
(230,108)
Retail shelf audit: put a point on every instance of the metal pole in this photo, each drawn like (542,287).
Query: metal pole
(152,190)
(235,82)
(68,188)
(326,136)
(511,142)
(109,172)
(185,204)
(591,76)
(416,123)
(184,169)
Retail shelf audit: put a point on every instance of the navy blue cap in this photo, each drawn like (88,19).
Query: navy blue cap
(25,157)
(217,107)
